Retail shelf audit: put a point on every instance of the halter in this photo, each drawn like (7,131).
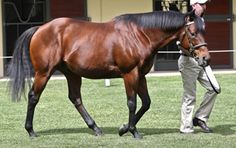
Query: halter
(192,47)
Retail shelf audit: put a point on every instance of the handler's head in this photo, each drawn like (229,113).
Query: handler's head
(199,6)
(192,2)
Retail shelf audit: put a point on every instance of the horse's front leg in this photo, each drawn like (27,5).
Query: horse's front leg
(144,96)
(146,101)
(131,85)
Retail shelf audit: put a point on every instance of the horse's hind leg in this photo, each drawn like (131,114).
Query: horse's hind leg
(33,98)
(74,85)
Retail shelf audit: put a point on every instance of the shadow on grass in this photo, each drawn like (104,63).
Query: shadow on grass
(108,130)
(224,130)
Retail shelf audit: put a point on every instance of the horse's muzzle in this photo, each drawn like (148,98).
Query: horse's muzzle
(203,61)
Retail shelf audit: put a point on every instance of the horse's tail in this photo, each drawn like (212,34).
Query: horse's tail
(20,67)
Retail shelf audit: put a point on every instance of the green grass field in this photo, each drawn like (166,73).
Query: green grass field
(59,124)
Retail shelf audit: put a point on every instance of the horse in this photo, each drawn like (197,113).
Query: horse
(123,47)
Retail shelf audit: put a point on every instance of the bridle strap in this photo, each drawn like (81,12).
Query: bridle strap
(189,23)
(199,45)
(192,47)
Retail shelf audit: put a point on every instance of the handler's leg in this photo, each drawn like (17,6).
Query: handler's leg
(189,70)
(188,102)
(207,104)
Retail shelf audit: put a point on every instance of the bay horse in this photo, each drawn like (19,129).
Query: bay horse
(121,48)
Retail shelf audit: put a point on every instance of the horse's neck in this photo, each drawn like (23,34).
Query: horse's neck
(159,38)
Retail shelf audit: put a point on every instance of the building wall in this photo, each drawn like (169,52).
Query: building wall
(105,10)
(234,34)
(1,42)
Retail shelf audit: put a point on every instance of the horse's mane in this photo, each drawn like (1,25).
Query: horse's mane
(165,20)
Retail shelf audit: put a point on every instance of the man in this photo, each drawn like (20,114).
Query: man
(190,73)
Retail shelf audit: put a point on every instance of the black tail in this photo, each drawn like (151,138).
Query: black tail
(20,69)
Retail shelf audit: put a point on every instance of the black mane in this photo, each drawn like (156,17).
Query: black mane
(166,20)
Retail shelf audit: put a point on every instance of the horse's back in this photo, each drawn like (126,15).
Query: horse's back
(73,42)
(92,50)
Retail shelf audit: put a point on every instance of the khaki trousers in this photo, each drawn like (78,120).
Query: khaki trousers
(191,72)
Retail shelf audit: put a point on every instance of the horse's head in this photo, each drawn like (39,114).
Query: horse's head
(191,39)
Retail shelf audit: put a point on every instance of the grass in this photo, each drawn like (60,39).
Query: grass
(59,124)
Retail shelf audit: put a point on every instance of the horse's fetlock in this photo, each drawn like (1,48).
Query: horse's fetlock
(91,124)
(28,127)
(77,102)
(132,128)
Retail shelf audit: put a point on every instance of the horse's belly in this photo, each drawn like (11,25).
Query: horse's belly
(96,72)
(99,74)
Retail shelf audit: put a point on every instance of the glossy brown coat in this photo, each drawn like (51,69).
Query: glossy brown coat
(118,48)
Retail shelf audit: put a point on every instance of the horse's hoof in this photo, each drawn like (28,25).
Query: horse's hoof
(123,129)
(98,132)
(33,135)
(137,135)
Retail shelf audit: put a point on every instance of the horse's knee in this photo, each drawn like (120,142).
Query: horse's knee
(132,105)
(32,98)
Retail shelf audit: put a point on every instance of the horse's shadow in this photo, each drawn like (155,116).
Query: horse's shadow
(224,130)
(107,130)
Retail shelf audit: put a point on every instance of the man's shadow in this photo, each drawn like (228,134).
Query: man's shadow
(225,130)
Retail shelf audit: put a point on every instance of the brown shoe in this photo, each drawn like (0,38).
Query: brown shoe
(202,125)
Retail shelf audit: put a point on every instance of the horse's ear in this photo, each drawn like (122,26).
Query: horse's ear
(190,16)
